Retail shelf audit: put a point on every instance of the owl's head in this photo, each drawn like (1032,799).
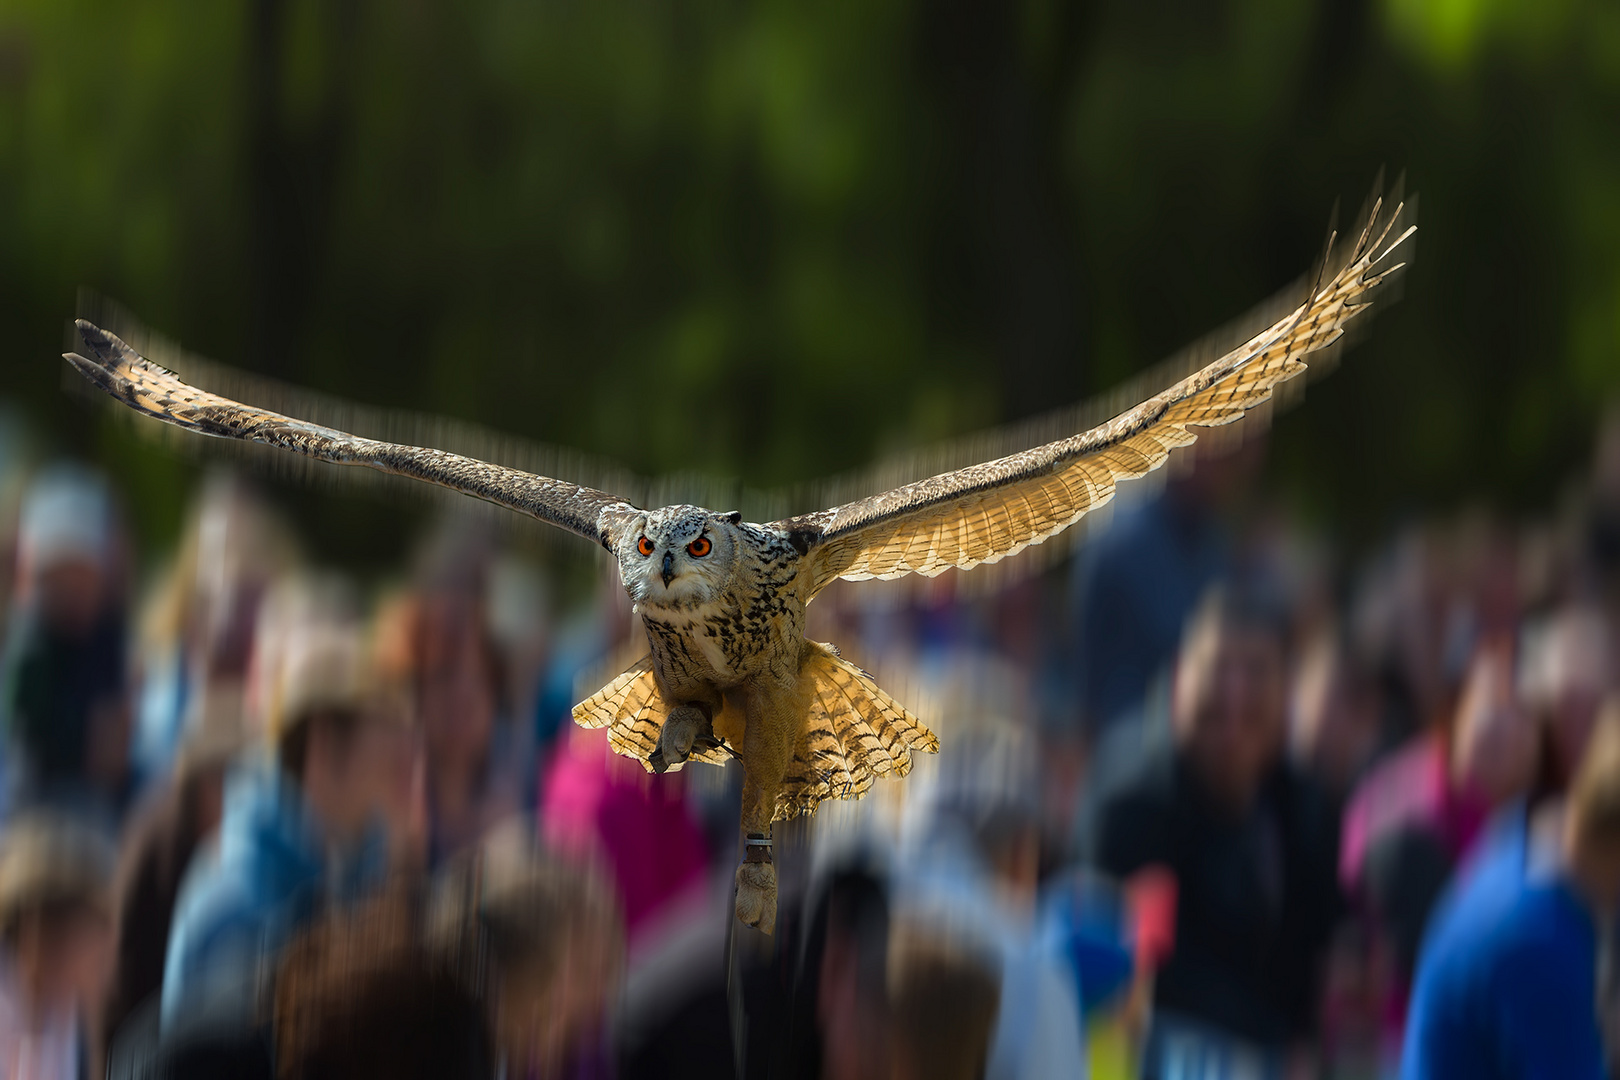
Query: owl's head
(680,556)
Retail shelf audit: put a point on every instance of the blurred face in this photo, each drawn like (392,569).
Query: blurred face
(1577,677)
(1228,707)
(456,696)
(372,772)
(107,742)
(66,959)
(539,1017)
(69,593)
(1334,722)
(1494,746)
(854,1043)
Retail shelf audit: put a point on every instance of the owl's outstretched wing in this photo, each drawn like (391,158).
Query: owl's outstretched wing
(986,512)
(157,392)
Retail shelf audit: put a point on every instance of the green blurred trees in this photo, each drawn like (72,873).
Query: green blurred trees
(771,239)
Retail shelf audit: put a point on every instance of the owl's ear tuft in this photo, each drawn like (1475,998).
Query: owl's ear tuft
(735,517)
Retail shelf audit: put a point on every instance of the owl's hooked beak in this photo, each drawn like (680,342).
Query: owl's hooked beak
(668,573)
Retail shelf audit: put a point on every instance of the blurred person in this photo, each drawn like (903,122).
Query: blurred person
(56,943)
(1511,980)
(297,834)
(942,1006)
(199,627)
(437,638)
(1399,620)
(1334,715)
(157,847)
(1415,817)
(972,861)
(547,942)
(296,605)
(1566,671)
(851,980)
(64,698)
(596,805)
(1247,842)
(360,994)
(1135,583)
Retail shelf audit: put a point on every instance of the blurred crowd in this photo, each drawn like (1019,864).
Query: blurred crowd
(1217,799)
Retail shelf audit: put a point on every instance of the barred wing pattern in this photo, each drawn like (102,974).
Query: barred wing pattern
(856,733)
(633,711)
(986,512)
(157,392)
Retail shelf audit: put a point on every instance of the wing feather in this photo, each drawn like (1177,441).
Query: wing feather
(986,512)
(157,392)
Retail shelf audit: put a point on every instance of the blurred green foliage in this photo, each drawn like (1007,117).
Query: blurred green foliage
(771,239)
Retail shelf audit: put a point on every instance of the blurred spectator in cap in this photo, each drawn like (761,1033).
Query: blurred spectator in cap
(1247,841)
(64,697)
(297,605)
(158,845)
(199,628)
(1514,978)
(56,941)
(298,833)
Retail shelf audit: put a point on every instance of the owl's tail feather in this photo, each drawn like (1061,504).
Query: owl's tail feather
(632,710)
(854,733)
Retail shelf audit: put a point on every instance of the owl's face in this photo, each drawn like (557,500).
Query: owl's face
(680,556)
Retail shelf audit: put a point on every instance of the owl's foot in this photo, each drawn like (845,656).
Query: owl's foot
(684,727)
(756,895)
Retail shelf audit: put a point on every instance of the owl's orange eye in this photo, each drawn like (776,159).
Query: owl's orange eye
(645,546)
(699,547)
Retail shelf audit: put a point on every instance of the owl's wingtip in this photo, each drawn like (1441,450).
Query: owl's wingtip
(101,343)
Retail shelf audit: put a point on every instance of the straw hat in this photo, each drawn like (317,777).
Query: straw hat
(49,858)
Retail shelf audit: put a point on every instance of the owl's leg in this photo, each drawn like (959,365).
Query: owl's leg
(773,725)
(684,727)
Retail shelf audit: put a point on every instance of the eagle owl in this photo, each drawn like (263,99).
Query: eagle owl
(729,671)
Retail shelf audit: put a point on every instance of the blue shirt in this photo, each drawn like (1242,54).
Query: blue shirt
(241,902)
(1506,982)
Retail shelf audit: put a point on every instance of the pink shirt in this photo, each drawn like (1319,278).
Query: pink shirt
(599,805)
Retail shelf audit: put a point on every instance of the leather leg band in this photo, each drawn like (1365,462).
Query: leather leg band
(757,848)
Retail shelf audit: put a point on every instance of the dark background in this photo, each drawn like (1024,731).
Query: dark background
(771,240)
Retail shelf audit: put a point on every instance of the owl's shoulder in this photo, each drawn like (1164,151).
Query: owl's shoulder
(768,544)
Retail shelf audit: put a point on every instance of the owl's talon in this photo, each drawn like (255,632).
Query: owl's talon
(685,726)
(756,895)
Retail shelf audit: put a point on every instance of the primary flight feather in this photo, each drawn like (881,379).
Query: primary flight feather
(729,671)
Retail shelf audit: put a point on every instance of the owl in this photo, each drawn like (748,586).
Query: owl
(729,671)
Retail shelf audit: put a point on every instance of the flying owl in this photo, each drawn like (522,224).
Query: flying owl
(729,671)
